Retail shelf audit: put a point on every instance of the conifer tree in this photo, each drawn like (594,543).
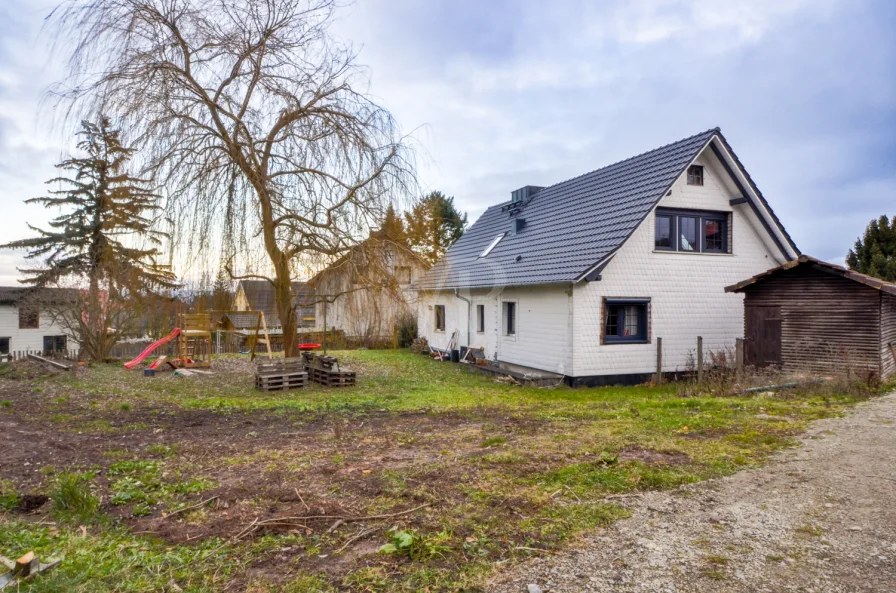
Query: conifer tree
(103,242)
(874,253)
(433,225)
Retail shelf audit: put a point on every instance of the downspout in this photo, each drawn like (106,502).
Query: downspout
(469,309)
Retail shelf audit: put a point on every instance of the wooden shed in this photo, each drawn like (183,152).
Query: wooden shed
(811,316)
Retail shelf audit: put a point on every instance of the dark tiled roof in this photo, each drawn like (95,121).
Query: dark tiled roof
(570,226)
(876,283)
(10,295)
(260,294)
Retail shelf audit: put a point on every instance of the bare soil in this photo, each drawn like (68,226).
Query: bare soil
(819,518)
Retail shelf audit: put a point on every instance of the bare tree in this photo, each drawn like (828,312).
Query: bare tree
(243,106)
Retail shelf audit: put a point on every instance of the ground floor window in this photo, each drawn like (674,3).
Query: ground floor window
(440,317)
(480,318)
(625,321)
(4,345)
(55,343)
(510,318)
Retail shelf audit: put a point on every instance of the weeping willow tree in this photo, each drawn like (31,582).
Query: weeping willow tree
(102,245)
(243,106)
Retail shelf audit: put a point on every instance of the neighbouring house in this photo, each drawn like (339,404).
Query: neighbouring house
(811,316)
(364,292)
(580,278)
(258,295)
(25,327)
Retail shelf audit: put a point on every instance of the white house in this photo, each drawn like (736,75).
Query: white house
(24,327)
(580,278)
(367,291)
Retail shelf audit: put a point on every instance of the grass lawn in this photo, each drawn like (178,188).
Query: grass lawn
(424,477)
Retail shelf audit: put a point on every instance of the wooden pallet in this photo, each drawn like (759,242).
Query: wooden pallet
(281,382)
(333,378)
(280,374)
(308,361)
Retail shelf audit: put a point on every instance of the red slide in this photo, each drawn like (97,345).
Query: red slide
(151,347)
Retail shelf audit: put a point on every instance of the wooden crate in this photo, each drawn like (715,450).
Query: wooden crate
(333,378)
(281,382)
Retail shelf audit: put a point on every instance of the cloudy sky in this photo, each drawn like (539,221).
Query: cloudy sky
(502,94)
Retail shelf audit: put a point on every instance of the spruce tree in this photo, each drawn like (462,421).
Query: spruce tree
(103,242)
(874,253)
(433,225)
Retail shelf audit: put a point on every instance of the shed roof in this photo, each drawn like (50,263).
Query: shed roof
(572,226)
(818,264)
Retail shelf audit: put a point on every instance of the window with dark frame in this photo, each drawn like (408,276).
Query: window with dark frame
(687,234)
(691,231)
(480,318)
(29,317)
(695,175)
(510,318)
(625,321)
(664,232)
(440,317)
(55,343)
(4,345)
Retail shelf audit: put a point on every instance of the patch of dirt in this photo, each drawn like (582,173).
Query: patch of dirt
(819,518)
(653,457)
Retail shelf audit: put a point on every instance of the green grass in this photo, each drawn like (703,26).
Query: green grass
(503,470)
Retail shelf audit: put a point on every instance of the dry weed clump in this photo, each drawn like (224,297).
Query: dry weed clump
(720,379)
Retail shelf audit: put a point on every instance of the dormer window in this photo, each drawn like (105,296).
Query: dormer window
(695,175)
(492,245)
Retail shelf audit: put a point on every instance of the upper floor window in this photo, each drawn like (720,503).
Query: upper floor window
(29,317)
(492,245)
(691,231)
(403,274)
(440,317)
(695,175)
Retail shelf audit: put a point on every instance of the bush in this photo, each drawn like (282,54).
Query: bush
(72,498)
(405,329)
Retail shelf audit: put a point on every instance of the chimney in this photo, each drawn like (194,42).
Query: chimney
(523,194)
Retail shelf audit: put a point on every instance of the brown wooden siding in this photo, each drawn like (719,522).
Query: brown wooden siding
(887,334)
(830,325)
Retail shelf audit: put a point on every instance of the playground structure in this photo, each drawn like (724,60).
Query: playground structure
(193,346)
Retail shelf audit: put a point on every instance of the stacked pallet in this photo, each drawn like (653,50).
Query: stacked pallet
(280,374)
(327,372)
(308,360)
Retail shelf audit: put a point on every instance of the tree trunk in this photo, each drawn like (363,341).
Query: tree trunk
(282,275)
(283,292)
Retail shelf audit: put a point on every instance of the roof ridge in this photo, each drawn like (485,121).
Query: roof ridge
(715,130)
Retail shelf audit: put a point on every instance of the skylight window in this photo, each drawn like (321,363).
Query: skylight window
(492,245)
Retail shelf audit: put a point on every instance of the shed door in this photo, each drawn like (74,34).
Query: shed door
(763,339)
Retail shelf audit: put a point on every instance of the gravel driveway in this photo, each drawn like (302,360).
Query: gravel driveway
(820,517)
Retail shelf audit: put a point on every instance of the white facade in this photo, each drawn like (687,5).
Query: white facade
(559,327)
(27,339)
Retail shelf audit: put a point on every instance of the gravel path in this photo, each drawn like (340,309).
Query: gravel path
(820,517)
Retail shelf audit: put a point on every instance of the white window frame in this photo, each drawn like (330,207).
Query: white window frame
(504,318)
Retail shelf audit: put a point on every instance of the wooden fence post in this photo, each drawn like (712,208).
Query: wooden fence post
(659,361)
(740,359)
(699,359)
